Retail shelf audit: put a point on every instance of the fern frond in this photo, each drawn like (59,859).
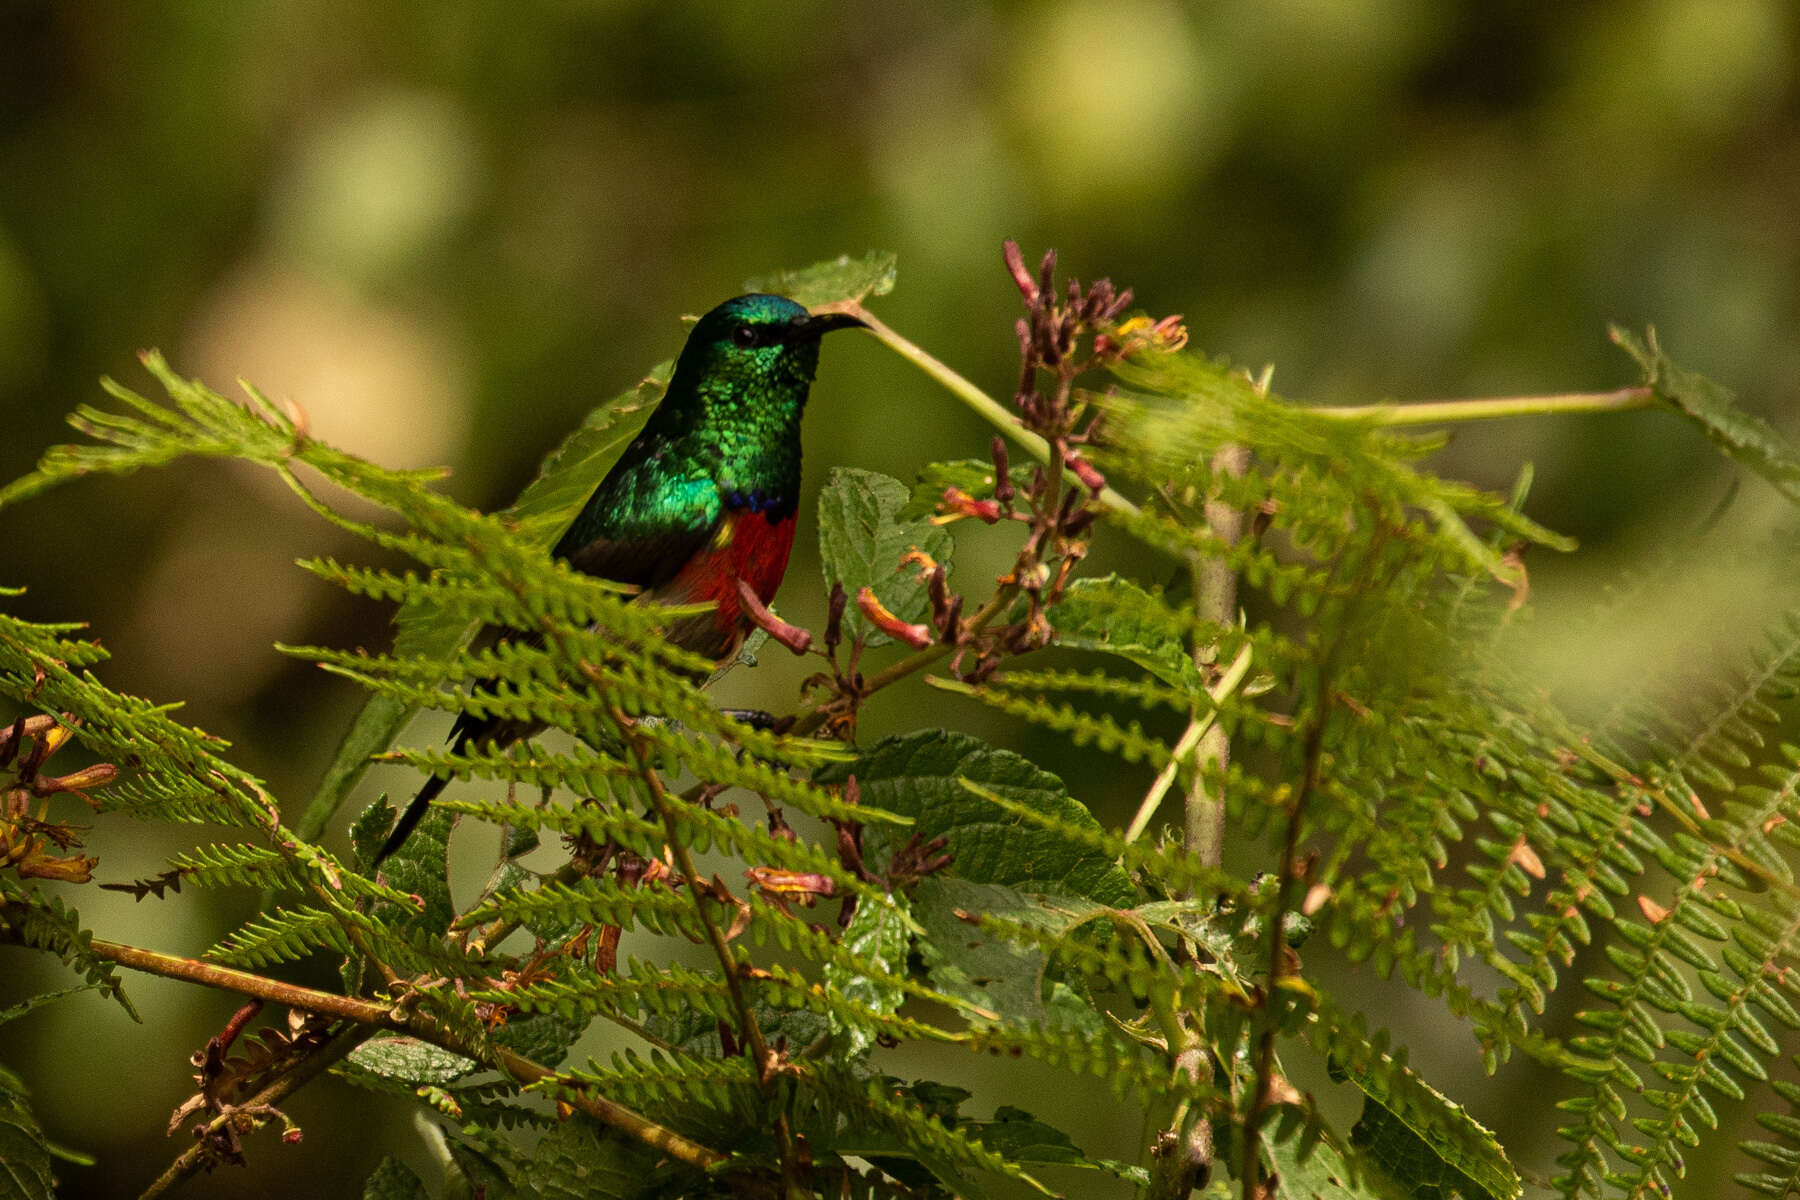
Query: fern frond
(45,922)
(285,935)
(1142,692)
(1689,933)
(1082,728)
(927,1136)
(665,1077)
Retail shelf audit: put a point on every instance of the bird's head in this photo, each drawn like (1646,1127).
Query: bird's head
(759,341)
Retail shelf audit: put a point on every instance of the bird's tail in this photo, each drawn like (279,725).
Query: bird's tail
(409,820)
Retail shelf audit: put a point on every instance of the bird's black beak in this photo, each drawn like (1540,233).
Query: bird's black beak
(817,325)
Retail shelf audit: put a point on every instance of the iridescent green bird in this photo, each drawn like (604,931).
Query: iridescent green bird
(703,497)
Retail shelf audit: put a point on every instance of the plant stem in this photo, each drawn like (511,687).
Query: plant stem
(1215,603)
(1276,931)
(374,1015)
(192,970)
(1190,738)
(1443,412)
(811,719)
(728,963)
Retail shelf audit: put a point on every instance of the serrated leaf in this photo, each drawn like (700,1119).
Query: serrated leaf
(1411,1162)
(1113,615)
(544,1039)
(473,1174)
(975,964)
(862,539)
(393,1180)
(840,278)
(879,932)
(32,1003)
(25,1157)
(578,1160)
(974,476)
(1423,1138)
(1743,436)
(395,1056)
(920,775)
(1023,1138)
(1322,1174)
(421,867)
(370,829)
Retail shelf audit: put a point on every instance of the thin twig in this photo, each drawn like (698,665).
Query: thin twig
(1190,738)
(192,970)
(811,719)
(1444,412)
(1277,934)
(382,1016)
(728,962)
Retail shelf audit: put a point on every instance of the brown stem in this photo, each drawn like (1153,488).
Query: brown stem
(728,963)
(329,1004)
(381,1016)
(1277,935)
(812,718)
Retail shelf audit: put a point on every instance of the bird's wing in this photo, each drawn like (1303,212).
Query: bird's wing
(637,531)
(645,560)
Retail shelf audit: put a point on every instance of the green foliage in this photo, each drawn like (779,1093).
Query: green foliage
(944,782)
(862,537)
(1746,437)
(394,1180)
(25,1155)
(842,278)
(1351,715)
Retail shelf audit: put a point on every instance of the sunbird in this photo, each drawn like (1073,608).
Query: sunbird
(703,497)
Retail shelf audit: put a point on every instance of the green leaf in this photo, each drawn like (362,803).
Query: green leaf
(1322,1174)
(1023,1138)
(862,539)
(922,775)
(877,931)
(544,1039)
(483,1172)
(25,1154)
(1423,1138)
(841,278)
(394,1180)
(1113,615)
(974,476)
(421,867)
(395,1056)
(1412,1163)
(370,830)
(32,1003)
(1743,436)
(577,1160)
(965,960)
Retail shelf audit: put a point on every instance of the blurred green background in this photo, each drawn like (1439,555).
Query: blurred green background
(448,228)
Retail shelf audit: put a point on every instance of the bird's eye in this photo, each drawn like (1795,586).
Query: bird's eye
(745,336)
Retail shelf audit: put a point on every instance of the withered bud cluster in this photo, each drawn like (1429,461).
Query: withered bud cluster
(1065,333)
(28,835)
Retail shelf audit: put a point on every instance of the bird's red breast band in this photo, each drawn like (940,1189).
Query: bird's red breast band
(748,546)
